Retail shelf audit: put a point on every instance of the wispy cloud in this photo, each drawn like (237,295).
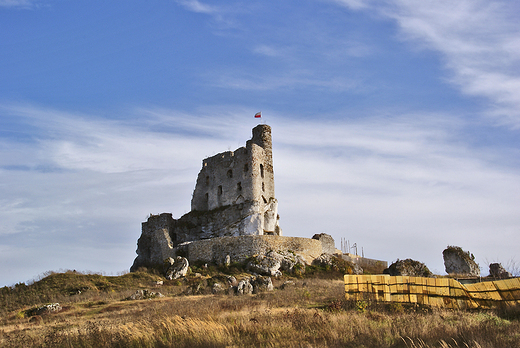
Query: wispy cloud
(197,6)
(479,41)
(401,187)
(25,4)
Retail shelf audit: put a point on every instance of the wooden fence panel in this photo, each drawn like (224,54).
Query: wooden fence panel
(437,292)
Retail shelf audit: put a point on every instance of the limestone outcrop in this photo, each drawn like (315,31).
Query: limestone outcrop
(43,310)
(144,295)
(273,263)
(408,267)
(333,262)
(176,268)
(460,262)
(497,271)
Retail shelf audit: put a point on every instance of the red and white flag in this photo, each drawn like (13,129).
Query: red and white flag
(258,114)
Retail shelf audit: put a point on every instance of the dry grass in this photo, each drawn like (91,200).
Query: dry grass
(312,313)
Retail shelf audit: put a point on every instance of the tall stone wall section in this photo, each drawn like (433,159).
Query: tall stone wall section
(240,248)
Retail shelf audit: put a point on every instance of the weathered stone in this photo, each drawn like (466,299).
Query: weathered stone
(43,310)
(232,281)
(457,261)
(244,287)
(497,271)
(323,260)
(408,267)
(336,263)
(273,262)
(176,268)
(261,284)
(268,264)
(292,263)
(144,295)
(327,243)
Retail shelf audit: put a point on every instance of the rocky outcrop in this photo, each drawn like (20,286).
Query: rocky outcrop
(497,271)
(408,267)
(144,295)
(460,262)
(244,287)
(261,284)
(43,310)
(274,262)
(176,268)
(332,262)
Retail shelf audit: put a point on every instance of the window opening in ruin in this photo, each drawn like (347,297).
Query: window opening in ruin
(262,170)
(219,190)
(263,187)
(230,173)
(206,196)
(246,168)
(239,186)
(207,181)
(265,200)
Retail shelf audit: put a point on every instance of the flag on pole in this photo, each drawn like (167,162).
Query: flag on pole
(258,114)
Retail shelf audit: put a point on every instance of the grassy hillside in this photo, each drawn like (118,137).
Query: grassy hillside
(306,312)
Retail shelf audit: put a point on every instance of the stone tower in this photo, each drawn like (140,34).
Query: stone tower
(242,177)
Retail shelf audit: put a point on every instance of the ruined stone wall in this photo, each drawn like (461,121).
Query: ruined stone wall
(156,241)
(240,248)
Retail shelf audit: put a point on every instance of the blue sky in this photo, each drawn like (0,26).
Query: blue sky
(395,123)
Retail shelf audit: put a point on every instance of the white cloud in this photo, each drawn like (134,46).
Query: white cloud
(399,187)
(479,41)
(17,3)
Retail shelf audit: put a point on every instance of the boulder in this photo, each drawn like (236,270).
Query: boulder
(232,281)
(266,264)
(244,287)
(497,271)
(261,284)
(408,267)
(273,262)
(43,310)
(332,262)
(457,261)
(176,268)
(291,262)
(144,295)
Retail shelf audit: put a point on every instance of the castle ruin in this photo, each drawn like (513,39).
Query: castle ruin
(233,197)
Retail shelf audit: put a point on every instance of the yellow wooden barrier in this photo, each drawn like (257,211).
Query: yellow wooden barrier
(436,292)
